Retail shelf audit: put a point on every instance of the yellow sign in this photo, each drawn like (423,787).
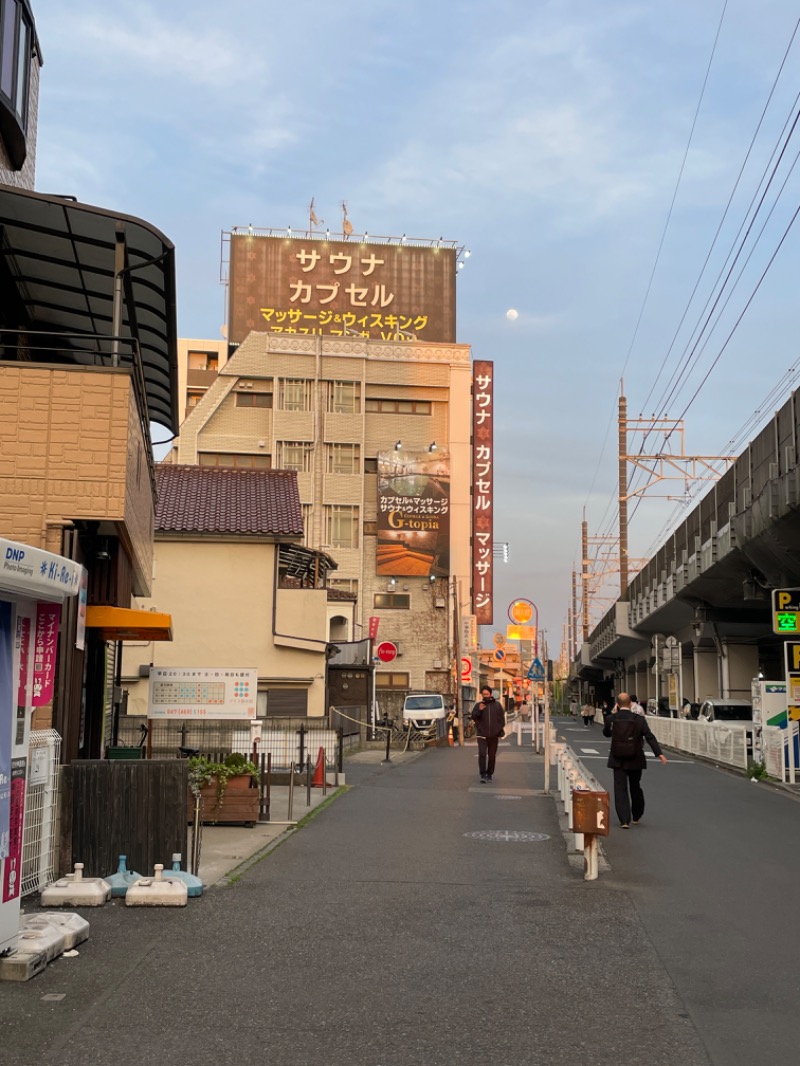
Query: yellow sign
(786,611)
(521,611)
(520,632)
(499,640)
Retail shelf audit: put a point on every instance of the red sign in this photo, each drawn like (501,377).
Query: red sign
(387,651)
(483,489)
(373,627)
(466,669)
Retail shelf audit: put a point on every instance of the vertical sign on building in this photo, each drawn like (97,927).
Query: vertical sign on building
(482,489)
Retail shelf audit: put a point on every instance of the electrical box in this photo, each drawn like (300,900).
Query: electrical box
(590,812)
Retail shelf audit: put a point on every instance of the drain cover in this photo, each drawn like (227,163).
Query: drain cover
(507,836)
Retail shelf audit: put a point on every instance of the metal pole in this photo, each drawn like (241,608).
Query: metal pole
(623,496)
(116,309)
(291,791)
(388,737)
(308,781)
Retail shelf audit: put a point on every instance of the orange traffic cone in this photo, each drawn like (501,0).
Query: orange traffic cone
(319,770)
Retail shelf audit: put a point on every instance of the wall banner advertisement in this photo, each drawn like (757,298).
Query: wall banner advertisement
(482,490)
(413,514)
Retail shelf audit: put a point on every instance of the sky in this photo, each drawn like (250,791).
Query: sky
(585,153)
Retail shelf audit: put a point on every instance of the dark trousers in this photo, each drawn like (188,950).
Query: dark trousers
(628,807)
(487,753)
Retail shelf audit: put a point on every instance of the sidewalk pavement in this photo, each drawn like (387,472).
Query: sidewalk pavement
(226,848)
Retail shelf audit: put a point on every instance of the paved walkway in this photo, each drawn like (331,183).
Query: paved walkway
(424,918)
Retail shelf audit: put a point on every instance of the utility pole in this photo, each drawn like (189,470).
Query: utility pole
(585,576)
(573,624)
(623,494)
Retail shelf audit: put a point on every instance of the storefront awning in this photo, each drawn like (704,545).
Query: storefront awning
(124,623)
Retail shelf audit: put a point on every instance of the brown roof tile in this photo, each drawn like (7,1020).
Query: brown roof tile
(216,499)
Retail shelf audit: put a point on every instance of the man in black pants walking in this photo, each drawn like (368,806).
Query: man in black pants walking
(490,720)
(628,730)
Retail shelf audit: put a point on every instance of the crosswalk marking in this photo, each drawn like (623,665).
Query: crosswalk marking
(590,751)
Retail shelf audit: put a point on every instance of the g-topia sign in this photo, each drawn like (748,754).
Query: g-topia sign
(786,611)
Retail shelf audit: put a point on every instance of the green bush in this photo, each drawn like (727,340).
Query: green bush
(202,772)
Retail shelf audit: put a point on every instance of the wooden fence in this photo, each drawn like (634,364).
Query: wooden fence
(135,808)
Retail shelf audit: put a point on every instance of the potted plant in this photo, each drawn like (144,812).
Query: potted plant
(229,789)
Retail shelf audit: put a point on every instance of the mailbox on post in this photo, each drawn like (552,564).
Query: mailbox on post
(590,812)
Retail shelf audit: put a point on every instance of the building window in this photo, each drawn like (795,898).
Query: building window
(246,462)
(398,407)
(343,458)
(344,584)
(16,43)
(282,703)
(344,397)
(254,399)
(392,601)
(295,395)
(203,361)
(391,679)
(295,455)
(193,398)
(370,528)
(341,527)
(370,466)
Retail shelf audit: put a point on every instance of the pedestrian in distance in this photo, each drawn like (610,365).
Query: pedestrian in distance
(453,724)
(636,707)
(627,759)
(490,721)
(587,713)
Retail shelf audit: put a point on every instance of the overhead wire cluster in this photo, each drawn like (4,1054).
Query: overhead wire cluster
(688,366)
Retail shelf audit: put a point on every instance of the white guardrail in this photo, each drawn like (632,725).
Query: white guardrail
(732,743)
(573,776)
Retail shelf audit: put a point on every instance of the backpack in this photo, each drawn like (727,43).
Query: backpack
(625,738)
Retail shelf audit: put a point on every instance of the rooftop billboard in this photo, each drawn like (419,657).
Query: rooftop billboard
(310,286)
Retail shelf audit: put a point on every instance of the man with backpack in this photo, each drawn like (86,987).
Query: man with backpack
(627,759)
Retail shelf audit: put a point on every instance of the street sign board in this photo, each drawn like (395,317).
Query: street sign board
(466,669)
(520,632)
(499,655)
(499,640)
(521,611)
(374,622)
(791,650)
(786,611)
(387,652)
(536,671)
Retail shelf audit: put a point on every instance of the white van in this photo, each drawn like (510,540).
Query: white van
(422,709)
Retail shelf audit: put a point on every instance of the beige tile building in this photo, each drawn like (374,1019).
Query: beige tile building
(326,407)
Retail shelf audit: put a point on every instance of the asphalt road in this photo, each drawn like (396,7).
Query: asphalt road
(384,934)
(712,871)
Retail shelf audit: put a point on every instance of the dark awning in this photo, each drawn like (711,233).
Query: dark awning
(57,273)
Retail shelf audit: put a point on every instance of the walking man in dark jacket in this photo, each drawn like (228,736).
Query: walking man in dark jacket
(628,730)
(490,720)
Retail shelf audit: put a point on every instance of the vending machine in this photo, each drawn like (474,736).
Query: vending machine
(33,586)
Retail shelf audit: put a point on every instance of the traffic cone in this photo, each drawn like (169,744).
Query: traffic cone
(319,770)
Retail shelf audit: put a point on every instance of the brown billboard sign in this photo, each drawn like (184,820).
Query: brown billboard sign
(413,514)
(310,286)
(482,490)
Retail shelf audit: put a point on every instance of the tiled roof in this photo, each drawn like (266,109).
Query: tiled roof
(216,499)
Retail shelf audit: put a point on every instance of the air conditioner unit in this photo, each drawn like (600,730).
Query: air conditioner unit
(440,601)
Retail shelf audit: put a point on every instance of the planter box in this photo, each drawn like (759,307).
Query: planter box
(239,805)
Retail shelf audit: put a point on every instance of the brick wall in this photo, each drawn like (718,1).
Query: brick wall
(63,447)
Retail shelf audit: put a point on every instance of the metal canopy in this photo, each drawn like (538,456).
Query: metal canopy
(58,258)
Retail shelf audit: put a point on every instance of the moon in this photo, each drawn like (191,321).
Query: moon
(511,314)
